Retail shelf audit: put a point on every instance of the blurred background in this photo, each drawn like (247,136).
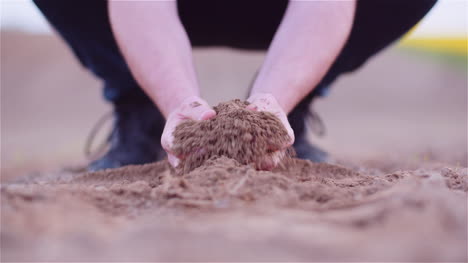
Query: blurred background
(407,105)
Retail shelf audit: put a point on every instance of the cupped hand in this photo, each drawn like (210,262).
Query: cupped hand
(267,102)
(192,108)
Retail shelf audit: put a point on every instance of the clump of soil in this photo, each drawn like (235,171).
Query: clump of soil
(247,136)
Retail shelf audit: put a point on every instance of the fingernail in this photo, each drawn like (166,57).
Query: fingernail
(174,161)
(252,107)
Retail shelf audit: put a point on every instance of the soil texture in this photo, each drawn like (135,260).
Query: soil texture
(224,210)
(247,136)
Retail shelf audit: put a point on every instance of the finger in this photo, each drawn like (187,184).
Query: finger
(167,146)
(174,161)
(265,165)
(271,161)
(284,120)
(167,137)
(201,112)
(252,107)
(290,132)
(209,114)
(278,156)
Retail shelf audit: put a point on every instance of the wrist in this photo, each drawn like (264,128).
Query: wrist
(171,102)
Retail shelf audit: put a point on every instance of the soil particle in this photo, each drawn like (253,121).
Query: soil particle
(321,208)
(456,180)
(249,137)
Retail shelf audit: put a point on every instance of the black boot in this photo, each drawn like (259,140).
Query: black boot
(298,119)
(136,136)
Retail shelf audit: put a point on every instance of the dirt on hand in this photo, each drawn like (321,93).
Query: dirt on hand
(247,136)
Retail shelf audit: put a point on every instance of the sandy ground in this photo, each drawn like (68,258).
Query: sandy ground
(397,128)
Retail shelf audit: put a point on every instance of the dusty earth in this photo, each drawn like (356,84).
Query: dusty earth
(224,211)
(397,192)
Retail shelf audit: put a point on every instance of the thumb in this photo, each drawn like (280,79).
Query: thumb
(252,107)
(174,161)
(201,111)
(208,114)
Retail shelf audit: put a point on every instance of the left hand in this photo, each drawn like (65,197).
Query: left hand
(192,108)
(266,102)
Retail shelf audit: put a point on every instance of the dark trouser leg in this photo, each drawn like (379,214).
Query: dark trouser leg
(84,25)
(377,24)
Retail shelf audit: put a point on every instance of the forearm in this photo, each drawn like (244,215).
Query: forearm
(308,41)
(157,50)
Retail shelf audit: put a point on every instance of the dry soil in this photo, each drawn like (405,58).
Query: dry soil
(227,211)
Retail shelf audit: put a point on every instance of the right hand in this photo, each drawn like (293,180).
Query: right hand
(268,103)
(192,108)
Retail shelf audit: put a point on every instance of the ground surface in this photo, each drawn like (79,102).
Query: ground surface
(397,129)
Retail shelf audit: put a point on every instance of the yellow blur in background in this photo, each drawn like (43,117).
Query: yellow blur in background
(443,30)
(447,45)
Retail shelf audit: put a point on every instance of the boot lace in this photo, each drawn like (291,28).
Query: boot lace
(315,123)
(93,154)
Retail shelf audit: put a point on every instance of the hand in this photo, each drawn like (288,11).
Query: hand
(266,102)
(192,108)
